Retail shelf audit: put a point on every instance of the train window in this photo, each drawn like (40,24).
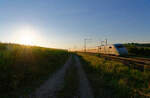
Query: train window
(119,46)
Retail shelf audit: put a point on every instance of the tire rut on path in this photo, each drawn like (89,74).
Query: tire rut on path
(53,84)
(84,86)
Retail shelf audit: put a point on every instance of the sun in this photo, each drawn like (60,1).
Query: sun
(26,39)
(26,36)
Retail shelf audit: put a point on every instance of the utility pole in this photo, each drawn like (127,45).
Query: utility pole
(102,43)
(85,44)
(106,41)
(74,48)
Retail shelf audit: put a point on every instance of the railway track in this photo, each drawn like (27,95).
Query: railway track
(147,59)
(137,60)
(132,62)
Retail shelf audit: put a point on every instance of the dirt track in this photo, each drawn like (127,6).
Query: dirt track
(56,82)
(84,88)
(53,84)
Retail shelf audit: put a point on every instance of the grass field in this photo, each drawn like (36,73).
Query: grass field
(23,68)
(114,79)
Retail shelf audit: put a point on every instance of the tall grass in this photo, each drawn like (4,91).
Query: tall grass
(23,67)
(115,77)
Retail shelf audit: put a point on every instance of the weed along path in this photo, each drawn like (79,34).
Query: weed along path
(84,87)
(53,84)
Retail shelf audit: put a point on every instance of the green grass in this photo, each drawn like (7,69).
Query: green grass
(24,68)
(114,79)
(71,83)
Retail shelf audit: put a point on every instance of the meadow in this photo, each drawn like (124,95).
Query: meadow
(112,79)
(24,68)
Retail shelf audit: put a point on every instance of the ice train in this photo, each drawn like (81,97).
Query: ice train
(114,49)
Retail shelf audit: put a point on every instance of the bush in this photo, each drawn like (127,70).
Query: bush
(138,50)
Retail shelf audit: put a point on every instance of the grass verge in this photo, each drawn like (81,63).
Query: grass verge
(113,79)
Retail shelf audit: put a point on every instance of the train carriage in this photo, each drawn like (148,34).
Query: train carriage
(114,49)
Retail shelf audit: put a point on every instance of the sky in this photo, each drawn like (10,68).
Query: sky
(66,23)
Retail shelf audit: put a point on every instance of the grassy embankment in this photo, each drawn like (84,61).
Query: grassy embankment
(113,79)
(23,68)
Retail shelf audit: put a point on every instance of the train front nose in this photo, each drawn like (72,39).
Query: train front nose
(122,51)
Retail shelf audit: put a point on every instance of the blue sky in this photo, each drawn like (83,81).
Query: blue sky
(65,23)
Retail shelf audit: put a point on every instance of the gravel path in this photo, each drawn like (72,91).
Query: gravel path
(53,84)
(84,87)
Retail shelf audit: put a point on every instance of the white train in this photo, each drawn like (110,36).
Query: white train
(114,49)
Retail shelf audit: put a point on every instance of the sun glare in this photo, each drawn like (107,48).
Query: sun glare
(26,36)
(26,39)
